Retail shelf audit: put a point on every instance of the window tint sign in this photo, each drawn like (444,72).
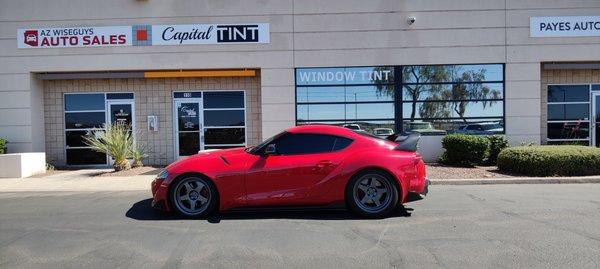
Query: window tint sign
(143,35)
(74,37)
(345,75)
(210,34)
(564,26)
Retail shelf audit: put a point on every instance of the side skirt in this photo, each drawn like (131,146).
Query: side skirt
(334,206)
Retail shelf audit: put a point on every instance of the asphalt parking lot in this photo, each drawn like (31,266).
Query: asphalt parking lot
(500,226)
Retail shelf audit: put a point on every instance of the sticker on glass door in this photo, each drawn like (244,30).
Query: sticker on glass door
(189,126)
(121,114)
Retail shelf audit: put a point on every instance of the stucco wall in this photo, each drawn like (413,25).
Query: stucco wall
(304,33)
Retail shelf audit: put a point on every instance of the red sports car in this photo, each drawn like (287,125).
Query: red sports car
(312,165)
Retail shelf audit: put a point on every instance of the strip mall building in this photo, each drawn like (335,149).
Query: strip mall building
(194,75)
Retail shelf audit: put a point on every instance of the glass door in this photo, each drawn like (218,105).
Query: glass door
(189,136)
(596,119)
(120,112)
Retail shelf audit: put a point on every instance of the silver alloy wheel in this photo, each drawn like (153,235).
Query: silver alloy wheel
(192,195)
(372,193)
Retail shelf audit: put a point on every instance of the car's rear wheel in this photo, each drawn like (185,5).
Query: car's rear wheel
(372,194)
(193,196)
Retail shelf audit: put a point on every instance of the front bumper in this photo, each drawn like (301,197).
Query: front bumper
(159,195)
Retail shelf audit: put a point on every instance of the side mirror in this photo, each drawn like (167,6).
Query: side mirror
(271,149)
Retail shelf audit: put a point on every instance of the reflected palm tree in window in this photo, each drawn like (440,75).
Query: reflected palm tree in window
(414,92)
(478,92)
(465,88)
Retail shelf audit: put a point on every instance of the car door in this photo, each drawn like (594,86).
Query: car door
(299,165)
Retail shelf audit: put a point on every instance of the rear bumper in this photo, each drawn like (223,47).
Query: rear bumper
(426,188)
(418,195)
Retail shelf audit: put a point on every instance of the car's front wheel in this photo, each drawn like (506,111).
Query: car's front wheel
(372,194)
(193,196)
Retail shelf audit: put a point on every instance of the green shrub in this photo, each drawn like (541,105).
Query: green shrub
(2,146)
(550,160)
(497,144)
(464,150)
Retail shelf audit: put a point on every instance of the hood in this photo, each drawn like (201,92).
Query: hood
(216,152)
(211,158)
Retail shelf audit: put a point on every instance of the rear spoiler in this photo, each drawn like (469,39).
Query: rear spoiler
(409,142)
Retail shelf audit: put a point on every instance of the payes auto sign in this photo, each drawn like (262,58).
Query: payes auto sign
(564,26)
(143,35)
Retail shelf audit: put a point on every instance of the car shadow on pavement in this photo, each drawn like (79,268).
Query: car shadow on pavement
(143,210)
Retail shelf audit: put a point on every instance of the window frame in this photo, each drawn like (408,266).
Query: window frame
(589,139)
(175,95)
(243,108)
(398,96)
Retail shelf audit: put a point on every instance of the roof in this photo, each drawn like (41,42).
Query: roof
(322,128)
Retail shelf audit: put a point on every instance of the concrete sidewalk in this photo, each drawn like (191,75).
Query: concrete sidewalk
(79,180)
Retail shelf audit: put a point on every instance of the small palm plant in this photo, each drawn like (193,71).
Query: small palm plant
(116,141)
(138,153)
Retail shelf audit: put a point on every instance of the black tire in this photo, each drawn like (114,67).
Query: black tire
(361,198)
(202,196)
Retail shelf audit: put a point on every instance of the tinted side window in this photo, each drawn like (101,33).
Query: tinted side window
(341,143)
(305,144)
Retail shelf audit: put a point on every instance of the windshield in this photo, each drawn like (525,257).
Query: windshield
(491,126)
(363,133)
(424,125)
(382,132)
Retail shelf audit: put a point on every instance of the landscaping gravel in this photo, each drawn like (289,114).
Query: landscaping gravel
(440,171)
(144,170)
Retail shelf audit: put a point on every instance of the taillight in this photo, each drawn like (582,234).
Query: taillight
(420,167)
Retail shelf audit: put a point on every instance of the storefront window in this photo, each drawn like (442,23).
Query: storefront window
(356,97)
(453,98)
(224,119)
(568,114)
(432,99)
(87,112)
(84,102)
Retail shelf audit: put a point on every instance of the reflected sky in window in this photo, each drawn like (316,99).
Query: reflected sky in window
(344,94)
(345,111)
(452,73)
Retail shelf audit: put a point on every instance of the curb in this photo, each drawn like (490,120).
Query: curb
(518,180)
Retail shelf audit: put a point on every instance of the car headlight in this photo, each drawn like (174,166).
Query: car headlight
(162,175)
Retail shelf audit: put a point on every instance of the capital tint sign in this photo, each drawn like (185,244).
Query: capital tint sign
(143,35)
(74,37)
(210,34)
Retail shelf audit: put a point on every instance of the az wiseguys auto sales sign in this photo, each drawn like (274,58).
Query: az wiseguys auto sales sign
(74,37)
(143,35)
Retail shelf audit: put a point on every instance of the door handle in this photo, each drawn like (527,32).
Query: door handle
(326,163)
